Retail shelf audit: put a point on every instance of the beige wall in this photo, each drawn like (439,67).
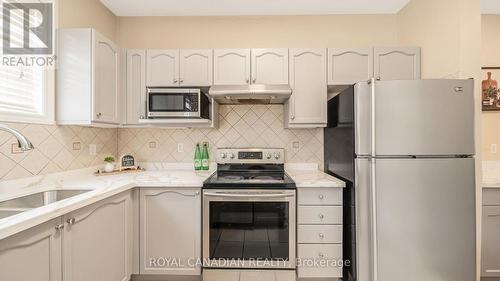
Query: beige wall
(490,57)
(87,13)
(266,31)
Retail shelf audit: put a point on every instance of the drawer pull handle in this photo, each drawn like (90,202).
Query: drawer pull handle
(321,216)
(321,197)
(321,235)
(321,255)
(59,227)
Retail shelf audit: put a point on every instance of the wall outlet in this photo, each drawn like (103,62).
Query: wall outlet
(493,148)
(93,149)
(180,147)
(152,144)
(15,149)
(77,145)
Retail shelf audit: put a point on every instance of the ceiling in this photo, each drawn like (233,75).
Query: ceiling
(254,7)
(490,6)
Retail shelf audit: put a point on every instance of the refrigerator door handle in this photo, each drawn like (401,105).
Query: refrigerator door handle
(373,183)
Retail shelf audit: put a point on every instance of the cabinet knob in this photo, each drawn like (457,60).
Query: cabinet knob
(378,78)
(181,80)
(321,235)
(248,80)
(141,117)
(321,216)
(59,227)
(254,80)
(99,115)
(196,193)
(321,196)
(175,80)
(71,221)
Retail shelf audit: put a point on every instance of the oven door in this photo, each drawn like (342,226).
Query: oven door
(168,102)
(249,228)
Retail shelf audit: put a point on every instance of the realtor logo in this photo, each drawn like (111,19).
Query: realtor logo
(27,28)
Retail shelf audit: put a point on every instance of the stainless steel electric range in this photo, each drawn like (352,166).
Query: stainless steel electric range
(249,214)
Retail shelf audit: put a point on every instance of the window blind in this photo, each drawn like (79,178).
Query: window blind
(22,89)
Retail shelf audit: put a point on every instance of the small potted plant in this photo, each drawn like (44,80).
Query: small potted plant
(110,164)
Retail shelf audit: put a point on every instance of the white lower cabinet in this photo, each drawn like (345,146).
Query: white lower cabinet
(97,242)
(34,254)
(170,231)
(319,232)
(490,253)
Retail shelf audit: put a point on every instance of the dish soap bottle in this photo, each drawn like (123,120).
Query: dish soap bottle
(197,158)
(204,157)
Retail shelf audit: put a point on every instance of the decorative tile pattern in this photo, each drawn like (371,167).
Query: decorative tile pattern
(54,149)
(239,126)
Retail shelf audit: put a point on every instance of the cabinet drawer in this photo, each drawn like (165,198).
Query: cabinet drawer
(320,196)
(319,234)
(320,215)
(491,197)
(308,253)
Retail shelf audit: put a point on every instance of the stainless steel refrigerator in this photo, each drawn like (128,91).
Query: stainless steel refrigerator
(406,151)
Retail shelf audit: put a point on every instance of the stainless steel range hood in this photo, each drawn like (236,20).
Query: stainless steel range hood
(251,94)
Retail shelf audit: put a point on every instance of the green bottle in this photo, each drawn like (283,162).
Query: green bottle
(204,157)
(197,158)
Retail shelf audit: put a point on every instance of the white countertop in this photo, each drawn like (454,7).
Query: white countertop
(102,187)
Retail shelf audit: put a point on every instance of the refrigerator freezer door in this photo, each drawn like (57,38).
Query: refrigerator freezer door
(416,117)
(425,219)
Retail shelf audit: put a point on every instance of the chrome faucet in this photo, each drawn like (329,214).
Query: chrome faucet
(22,141)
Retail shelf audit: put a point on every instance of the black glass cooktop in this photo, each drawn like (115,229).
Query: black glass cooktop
(249,176)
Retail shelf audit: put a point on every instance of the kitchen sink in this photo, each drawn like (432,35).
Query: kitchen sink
(28,202)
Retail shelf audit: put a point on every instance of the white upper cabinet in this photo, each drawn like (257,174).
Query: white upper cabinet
(307,105)
(269,66)
(231,66)
(136,86)
(88,79)
(195,67)
(162,68)
(107,73)
(349,66)
(397,63)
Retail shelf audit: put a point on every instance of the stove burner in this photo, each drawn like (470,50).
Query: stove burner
(232,178)
(262,178)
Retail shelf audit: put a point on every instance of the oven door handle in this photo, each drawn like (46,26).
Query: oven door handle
(249,195)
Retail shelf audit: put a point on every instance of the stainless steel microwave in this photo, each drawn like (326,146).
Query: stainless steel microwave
(178,103)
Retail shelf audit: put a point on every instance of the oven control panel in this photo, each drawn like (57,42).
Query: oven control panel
(251,155)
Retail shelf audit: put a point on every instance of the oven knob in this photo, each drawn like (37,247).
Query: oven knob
(222,155)
(268,155)
(277,155)
(231,155)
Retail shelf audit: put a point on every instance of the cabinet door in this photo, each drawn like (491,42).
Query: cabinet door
(136,86)
(97,241)
(349,66)
(397,63)
(307,105)
(162,68)
(196,67)
(170,226)
(491,242)
(269,66)
(231,66)
(107,77)
(34,254)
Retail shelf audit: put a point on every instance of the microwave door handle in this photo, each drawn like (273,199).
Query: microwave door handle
(234,195)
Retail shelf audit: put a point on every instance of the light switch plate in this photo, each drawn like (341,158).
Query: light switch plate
(93,149)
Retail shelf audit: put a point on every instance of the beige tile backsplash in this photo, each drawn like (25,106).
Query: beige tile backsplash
(56,149)
(60,148)
(239,126)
